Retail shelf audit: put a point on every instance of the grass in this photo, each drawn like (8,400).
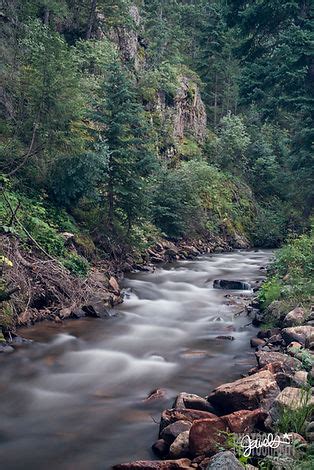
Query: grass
(294,420)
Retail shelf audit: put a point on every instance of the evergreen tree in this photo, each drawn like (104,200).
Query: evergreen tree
(121,124)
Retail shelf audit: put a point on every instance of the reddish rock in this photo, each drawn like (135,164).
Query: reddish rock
(206,436)
(244,420)
(172,431)
(172,415)
(182,464)
(264,358)
(255,391)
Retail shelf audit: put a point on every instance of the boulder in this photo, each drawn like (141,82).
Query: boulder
(224,461)
(161,448)
(295,317)
(207,436)
(264,358)
(193,402)
(289,399)
(231,285)
(301,334)
(181,464)
(244,420)
(172,431)
(172,415)
(255,391)
(180,446)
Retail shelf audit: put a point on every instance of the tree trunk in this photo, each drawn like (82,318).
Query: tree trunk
(91,19)
(215,103)
(46,16)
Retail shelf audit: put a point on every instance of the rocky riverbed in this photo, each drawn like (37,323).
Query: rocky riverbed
(275,396)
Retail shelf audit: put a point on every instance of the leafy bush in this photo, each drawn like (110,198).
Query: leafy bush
(76,264)
(291,274)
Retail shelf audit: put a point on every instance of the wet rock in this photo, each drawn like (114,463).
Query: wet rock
(255,391)
(255,342)
(157,394)
(294,318)
(245,420)
(181,464)
(301,334)
(173,415)
(193,402)
(226,337)
(180,446)
(206,436)
(161,448)
(96,309)
(172,431)
(5,348)
(224,461)
(264,357)
(233,285)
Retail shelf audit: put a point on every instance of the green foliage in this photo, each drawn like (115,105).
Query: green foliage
(271,290)
(123,127)
(291,273)
(229,149)
(76,264)
(294,420)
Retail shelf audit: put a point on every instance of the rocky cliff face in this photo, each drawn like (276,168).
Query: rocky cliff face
(189,111)
(183,116)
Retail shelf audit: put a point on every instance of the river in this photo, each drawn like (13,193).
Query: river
(75,399)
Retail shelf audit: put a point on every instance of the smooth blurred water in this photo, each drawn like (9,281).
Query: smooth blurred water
(75,400)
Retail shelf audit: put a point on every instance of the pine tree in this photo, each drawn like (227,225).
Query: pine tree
(122,125)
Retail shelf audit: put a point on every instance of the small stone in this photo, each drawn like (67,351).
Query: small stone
(255,342)
(172,431)
(180,446)
(113,283)
(227,337)
(161,448)
(191,401)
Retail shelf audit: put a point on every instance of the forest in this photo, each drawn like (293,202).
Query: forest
(144,131)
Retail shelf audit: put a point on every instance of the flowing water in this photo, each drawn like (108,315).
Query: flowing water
(75,399)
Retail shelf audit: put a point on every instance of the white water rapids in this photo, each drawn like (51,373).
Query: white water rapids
(74,400)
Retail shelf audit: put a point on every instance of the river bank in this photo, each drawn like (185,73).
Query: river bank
(85,383)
